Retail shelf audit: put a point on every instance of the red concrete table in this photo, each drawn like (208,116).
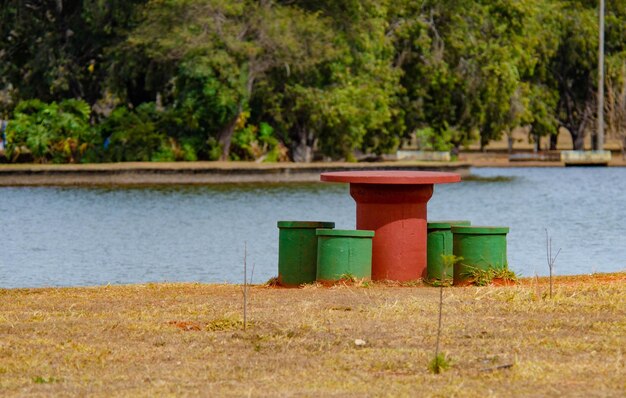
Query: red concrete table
(393,204)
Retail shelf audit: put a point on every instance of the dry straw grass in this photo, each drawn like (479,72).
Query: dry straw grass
(186,340)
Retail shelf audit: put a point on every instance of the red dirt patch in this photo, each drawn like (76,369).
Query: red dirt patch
(576,279)
(502,282)
(186,326)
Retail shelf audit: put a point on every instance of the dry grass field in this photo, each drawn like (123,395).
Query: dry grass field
(187,340)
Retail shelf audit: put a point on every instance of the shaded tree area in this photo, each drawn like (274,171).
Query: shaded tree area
(95,80)
(54,50)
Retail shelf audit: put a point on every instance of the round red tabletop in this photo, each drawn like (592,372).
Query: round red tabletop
(391,177)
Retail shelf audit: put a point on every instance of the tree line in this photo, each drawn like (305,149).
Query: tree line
(126,80)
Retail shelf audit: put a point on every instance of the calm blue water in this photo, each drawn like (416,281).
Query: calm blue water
(95,236)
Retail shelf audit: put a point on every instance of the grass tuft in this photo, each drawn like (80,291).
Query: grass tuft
(225,324)
(481,277)
(273,282)
(439,364)
(45,380)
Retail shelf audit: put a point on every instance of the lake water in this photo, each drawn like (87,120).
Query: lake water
(94,236)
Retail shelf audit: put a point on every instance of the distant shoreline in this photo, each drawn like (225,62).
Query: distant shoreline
(175,173)
(190,173)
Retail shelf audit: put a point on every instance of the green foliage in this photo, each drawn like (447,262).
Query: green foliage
(542,102)
(146,134)
(258,143)
(439,364)
(53,50)
(428,139)
(51,132)
(481,277)
(346,97)
(463,66)
(45,380)
(448,261)
(250,80)
(131,135)
(220,51)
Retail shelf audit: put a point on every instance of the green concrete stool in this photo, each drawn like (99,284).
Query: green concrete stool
(297,251)
(440,244)
(343,254)
(481,249)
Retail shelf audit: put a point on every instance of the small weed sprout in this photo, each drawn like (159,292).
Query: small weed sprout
(347,278)
(551,260)
(366,283)
(272,282)
(246,284)
(45,380)
(440,362)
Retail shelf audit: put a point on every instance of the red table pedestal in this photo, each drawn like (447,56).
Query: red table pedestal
(394,205)
(397,213)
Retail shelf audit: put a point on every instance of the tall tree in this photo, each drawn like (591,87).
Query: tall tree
(52,50)
(615,107)
(571,70)
(575,68)
(462,61)
(230,46)
(347,101)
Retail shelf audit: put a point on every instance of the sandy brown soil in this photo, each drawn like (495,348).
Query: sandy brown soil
(188,340)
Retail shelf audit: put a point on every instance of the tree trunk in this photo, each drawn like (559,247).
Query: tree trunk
(303,149)
(226,135)
(483,145)
(553,141)
(579,142)
(578,136)
(510,141)
(577,125)
(594,141)
(537,146)
(456,149)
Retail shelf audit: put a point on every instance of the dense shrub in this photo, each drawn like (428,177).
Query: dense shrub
(131,135)
(60,133)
